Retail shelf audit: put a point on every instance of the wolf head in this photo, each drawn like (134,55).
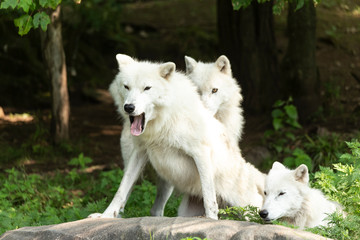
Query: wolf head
(285,191)
(213,80)
(138,89)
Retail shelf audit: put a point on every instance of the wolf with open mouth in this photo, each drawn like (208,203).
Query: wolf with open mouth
(166,123)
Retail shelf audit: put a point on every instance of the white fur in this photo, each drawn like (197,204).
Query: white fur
(185,144)
(219,92)
(289,197)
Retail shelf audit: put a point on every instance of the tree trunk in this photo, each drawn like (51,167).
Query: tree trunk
(299,64)
(54,56)
(247,38)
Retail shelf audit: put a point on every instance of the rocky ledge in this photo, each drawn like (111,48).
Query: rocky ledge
(157,228)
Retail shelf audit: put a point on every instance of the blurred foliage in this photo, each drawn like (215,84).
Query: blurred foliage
(342,184)
(293,145)
(56,197)
(30,14)
(278,5)
(248,213)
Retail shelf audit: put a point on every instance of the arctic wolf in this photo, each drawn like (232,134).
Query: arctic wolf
(221,94)
(289,197)
(170,127)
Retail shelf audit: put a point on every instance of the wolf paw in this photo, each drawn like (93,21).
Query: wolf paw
(95,215)
(105,215)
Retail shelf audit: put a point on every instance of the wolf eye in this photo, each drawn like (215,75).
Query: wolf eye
(264,192)
(147,88)
(281,193)
(126,87)
(214,90)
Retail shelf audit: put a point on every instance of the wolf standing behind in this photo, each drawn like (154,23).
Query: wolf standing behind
(219,92)
(289,197)
(221,95)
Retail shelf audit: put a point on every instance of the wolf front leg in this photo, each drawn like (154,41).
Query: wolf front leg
(134,167)
(164,191)
(206,173)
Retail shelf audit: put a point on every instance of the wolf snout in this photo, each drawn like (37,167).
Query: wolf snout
(264,213)
(129,108)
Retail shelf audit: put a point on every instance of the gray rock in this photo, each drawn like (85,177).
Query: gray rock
(158,228)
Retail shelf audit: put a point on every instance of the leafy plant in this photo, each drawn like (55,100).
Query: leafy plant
(342,184)
(248,213)
(285,122)
(285,114)
(32,13)
(33,199)
(282,140)
(324,150)
(278,5)
(297,158)
(80,161)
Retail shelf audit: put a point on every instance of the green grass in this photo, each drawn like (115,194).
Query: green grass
(34,199)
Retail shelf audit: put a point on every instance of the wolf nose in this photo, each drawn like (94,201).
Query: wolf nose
(129,108)
(263,213)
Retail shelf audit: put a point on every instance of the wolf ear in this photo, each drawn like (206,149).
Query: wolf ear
(167,69)
(302,174)
(123,59)
(277,166)
(223,64)
(190,64)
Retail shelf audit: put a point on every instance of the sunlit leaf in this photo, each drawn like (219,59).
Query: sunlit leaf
(277,123)
(24,23)
(237,4)
(8,3)
(291,111)
(25,5)
(49,3)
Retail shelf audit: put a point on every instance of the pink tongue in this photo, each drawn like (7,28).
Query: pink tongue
(136,128)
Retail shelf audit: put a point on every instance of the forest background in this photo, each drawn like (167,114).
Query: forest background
(298,65)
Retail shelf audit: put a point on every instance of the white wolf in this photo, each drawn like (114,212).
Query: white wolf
(289,197)
(185,144)
(221,94)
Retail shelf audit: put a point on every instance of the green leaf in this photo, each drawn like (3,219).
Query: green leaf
(8,3)
(49,3)
(41,19)
(291,111)
(302,158)
(300,4)
(24,23)
(25,5)
(277,123)
(290,135)
(279,103)
(293,123)
(237,4)
(278,7)
(277,113)
(43,3)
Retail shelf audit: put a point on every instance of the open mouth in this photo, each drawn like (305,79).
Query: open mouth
(137,124)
